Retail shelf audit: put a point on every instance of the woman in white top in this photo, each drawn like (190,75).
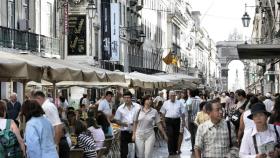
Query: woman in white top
(245,122)
(143,129)
(263,139)
(13,126)
(96,132)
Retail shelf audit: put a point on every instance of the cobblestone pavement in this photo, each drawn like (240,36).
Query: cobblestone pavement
(161,150)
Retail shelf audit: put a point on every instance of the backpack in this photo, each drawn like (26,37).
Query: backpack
(9,146)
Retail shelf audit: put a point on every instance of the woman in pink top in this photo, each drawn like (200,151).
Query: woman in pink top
(96,132)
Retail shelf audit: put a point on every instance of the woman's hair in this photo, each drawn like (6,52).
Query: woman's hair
(62,99)
(3,108)
(201,105)
(80,127)
(103,121)
(92,122)
(146,97)
(31,108)
(91,112)
(276,111)
(253,100)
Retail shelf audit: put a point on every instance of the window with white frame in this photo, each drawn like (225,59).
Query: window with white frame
(11,14)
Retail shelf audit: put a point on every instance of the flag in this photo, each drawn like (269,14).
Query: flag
(174,59)
(168,59)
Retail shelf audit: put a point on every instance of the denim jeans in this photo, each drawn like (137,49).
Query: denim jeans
(144,142)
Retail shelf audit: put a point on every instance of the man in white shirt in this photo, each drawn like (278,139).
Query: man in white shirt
(124,117)
(104,105)
(158,98)
(173,111)
(51,113)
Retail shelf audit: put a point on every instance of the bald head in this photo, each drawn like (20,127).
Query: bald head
(172,96)
(13,97)
(160,93)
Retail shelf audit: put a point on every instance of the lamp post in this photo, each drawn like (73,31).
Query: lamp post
(91,11)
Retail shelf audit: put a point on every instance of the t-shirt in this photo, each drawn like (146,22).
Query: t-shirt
(51,112)
(104,106)
(98,136)
(146,120)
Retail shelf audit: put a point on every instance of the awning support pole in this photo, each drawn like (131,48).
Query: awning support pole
(54,91)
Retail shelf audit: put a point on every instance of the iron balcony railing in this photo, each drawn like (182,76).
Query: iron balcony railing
(23,40)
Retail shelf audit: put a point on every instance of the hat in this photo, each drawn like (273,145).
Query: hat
(258,108)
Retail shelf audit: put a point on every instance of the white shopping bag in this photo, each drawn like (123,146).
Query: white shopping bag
(187,135)
(131,150)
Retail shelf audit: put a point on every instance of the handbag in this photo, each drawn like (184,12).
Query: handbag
(131,150)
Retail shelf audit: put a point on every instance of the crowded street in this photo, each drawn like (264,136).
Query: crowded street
(139,79)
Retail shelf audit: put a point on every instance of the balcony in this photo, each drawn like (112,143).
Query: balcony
(133,2)
(27,41)
(139,5)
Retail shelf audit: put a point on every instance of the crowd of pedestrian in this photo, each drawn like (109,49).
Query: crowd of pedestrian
(223,124)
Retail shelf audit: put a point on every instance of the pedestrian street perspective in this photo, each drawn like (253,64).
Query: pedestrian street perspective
(139,78)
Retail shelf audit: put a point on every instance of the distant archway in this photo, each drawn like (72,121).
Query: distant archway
(227,51)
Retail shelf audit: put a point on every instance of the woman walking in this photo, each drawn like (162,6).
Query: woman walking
(143,129)
(39,132)
(262,140)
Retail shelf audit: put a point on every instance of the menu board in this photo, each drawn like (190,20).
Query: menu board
(77,35)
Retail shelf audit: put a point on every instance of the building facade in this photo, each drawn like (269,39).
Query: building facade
(28,27)
(263,71)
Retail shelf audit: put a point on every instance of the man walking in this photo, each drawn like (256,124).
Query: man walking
(51,113)
(104,105)
(124,117)
(13,108)
(192,109)
(173,110)
(216,137)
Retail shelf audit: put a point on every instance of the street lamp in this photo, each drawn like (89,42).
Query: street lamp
(246,19)
(91,11)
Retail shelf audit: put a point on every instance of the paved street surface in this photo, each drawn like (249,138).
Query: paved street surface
(161,150)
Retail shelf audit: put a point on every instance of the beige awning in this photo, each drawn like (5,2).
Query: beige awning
(35,68)
(148,81)
(183,80)
(17,70)
(64,84)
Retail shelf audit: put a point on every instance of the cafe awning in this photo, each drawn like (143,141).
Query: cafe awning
(15,66)
(258,51)
(16,70)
